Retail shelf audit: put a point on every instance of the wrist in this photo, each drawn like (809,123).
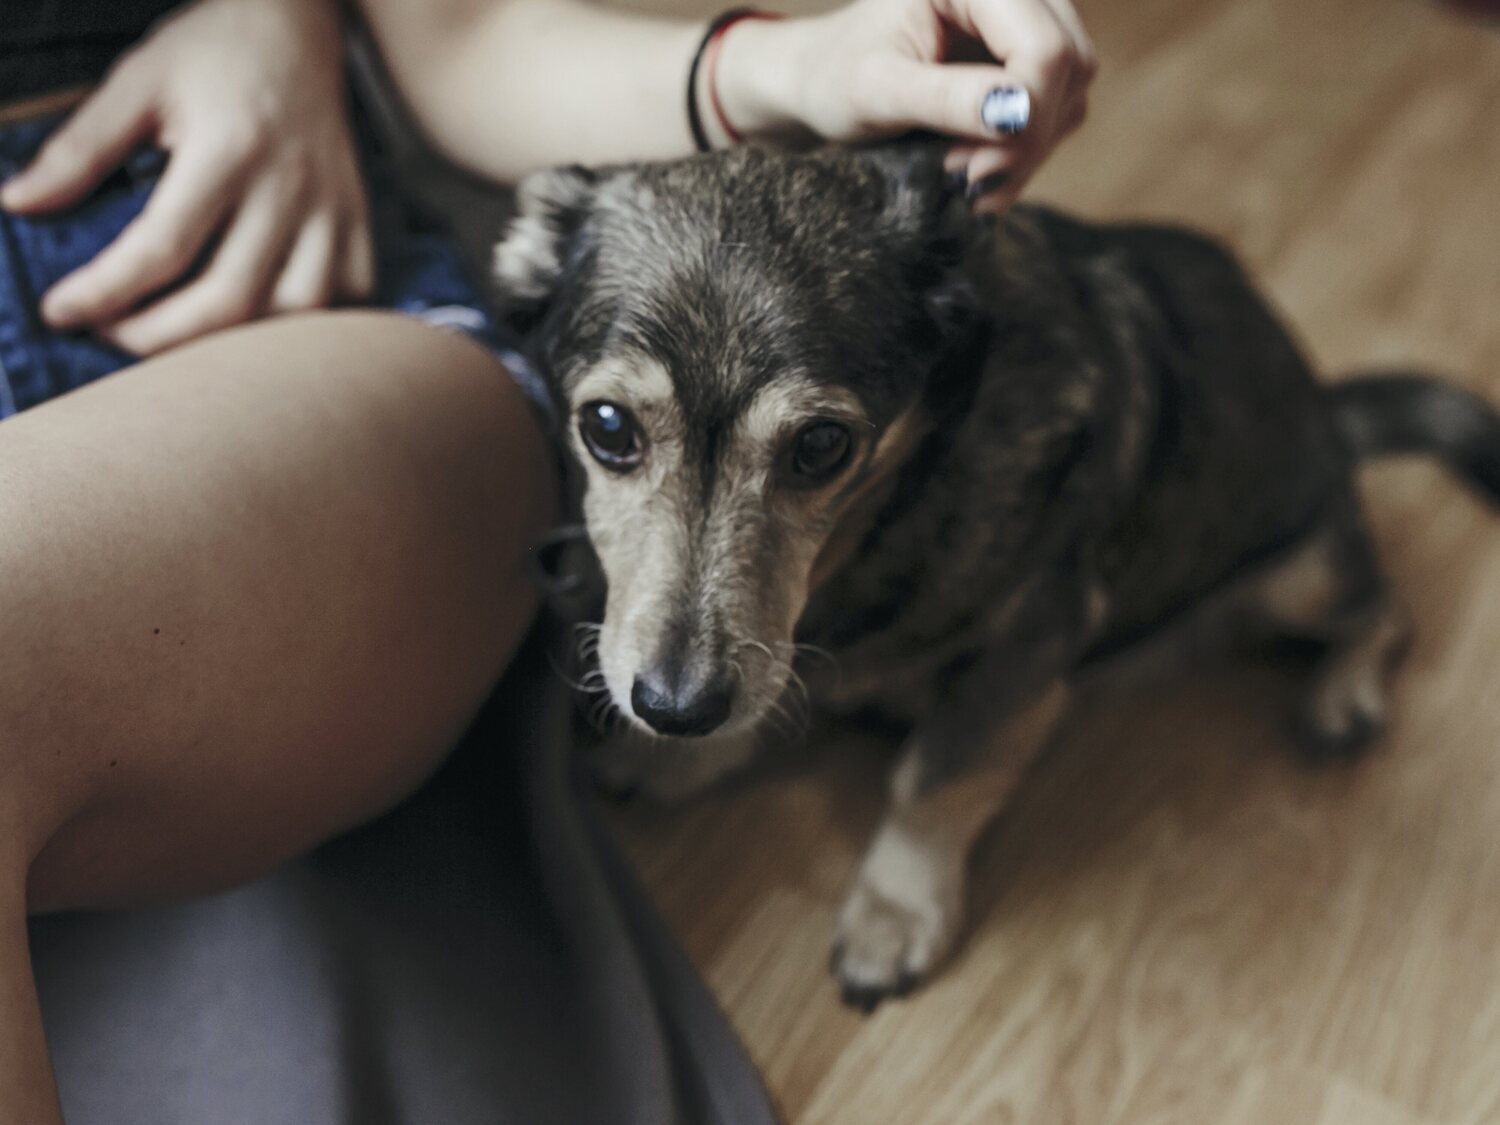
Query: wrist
(757,78)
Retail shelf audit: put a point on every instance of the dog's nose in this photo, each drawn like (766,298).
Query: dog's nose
(685,712)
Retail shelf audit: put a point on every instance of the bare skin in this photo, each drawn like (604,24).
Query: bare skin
(252,591)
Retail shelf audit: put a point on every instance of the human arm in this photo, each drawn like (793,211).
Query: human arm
(506,86)
(503,87)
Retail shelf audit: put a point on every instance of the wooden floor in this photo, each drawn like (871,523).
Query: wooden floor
(1177,922)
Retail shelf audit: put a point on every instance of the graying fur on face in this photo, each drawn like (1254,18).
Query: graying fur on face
(1061,438)
(701,298)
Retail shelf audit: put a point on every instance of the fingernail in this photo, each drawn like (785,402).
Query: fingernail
(9,191)
(993,182)
(1006,110)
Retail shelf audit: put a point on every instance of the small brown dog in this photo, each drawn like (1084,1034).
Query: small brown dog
(818,405)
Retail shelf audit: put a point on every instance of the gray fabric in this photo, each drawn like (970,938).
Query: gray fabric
(481,955)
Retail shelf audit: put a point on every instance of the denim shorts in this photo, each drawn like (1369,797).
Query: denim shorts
(419,272)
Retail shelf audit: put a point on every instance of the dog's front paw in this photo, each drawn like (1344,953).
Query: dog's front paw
(1335,724)
(1344,711)
(666,771)
(891,937)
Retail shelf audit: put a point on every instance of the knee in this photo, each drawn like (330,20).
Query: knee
(457,417)
(34,801)
(486,471)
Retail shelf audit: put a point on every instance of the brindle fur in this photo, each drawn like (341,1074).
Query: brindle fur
(1076,433)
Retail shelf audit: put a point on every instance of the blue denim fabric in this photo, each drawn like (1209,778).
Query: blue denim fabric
(419,272)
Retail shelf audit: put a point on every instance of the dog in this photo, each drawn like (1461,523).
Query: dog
(832,428)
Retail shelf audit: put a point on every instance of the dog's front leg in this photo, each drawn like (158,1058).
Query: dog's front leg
(905,910)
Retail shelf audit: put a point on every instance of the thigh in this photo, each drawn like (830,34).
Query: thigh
(252,590)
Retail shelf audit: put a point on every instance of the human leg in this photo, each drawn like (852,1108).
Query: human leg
(250,592)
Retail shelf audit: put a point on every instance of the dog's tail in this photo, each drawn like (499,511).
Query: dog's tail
(1401,412)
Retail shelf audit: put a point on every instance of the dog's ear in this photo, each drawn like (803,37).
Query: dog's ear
(923,198)
(928,216)
(533,250)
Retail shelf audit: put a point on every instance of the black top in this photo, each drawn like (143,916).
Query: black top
(50,45)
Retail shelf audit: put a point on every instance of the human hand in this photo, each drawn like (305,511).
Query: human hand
(1007,79)
(260,209)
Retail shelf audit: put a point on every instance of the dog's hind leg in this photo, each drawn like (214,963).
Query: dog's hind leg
(1330,591)
(905,910)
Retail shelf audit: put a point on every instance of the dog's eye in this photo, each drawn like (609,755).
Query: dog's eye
(611,435)
(820,451)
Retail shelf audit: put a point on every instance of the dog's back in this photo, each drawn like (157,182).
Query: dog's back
(1137,427)
(1239,455)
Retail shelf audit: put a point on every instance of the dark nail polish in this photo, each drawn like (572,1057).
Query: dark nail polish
(1006,110)
(993,182)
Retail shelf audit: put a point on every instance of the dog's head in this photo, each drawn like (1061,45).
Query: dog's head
(742,346)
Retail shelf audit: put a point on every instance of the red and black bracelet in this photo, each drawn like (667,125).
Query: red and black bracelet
(708,55)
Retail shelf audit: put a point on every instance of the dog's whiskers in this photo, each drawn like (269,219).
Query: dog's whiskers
(790,712)
(603,715)
(786,723)
(601,712)
(794,679)
(591,684)
(802,648)
(759,646)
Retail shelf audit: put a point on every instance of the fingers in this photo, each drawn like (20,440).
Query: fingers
(994,182)
(972,101)
(1085,65)
(255,274)
(234,288)
(353,267)
(329,260)
(957,158)
(1036,50)
(989,185)
(307,278)
(1038,92)
(308,253)
(1083,44)
(156,248)
(87,148)
(356,273)
(1035,96)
